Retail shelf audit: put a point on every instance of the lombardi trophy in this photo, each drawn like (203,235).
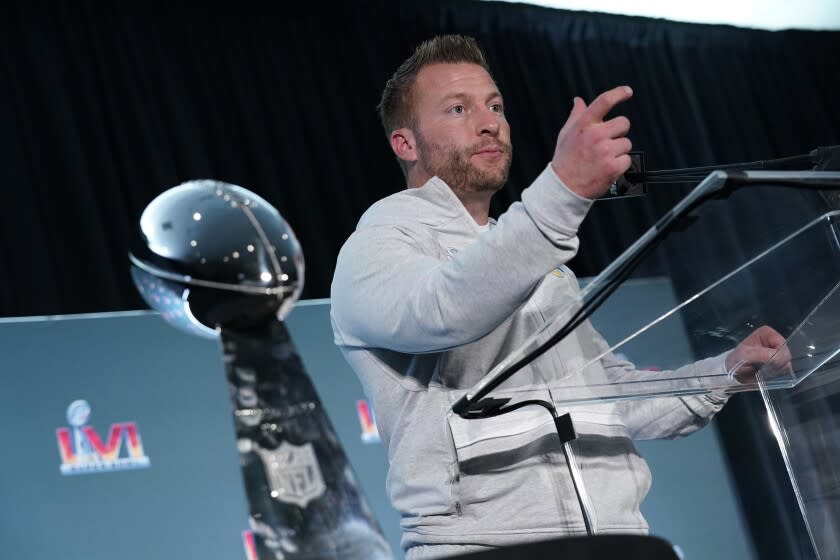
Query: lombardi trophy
(218,261)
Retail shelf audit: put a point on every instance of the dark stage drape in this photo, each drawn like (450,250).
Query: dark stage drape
(102,108)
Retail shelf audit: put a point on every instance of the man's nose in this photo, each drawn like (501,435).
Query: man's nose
(488,123)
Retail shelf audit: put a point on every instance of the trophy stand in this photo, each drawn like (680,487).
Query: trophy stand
(303,497)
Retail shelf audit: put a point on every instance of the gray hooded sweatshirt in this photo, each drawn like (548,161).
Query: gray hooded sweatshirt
(424,304)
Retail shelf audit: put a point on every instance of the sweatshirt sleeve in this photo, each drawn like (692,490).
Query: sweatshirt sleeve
(665,417)
(391,291)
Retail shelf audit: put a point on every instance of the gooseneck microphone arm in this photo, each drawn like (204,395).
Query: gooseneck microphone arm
(817,159)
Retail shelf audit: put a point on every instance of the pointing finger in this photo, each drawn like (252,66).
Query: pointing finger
(605,102)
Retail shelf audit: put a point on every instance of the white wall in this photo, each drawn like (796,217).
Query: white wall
(763,14)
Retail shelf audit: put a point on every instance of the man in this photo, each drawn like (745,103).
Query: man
(429,294)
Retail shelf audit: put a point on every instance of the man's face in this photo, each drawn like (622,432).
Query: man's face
(462,134)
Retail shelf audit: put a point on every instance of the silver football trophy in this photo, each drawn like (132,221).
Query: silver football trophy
(218,261)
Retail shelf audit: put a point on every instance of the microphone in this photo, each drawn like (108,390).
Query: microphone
(631,182)
(826,158)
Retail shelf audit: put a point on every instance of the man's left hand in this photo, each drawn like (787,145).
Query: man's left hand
(757,350)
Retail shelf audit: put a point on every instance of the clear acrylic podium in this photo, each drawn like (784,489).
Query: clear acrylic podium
(728,280)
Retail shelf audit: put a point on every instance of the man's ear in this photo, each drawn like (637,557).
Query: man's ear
(404,144)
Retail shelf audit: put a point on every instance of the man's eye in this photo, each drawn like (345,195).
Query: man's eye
(458,109)
(497,108)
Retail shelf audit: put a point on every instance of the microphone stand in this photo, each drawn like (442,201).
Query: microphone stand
(476,403)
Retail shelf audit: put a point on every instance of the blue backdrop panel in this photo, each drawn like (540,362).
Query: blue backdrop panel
(189,503)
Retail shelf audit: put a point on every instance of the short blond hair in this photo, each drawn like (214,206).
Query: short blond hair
(396,108)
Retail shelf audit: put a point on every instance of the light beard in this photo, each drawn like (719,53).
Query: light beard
(454,166)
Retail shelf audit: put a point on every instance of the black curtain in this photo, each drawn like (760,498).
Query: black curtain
(104,107)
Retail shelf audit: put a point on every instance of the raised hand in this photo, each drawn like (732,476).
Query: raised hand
(592,153)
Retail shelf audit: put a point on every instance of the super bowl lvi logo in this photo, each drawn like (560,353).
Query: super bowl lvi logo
(293,473)
(83,450)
